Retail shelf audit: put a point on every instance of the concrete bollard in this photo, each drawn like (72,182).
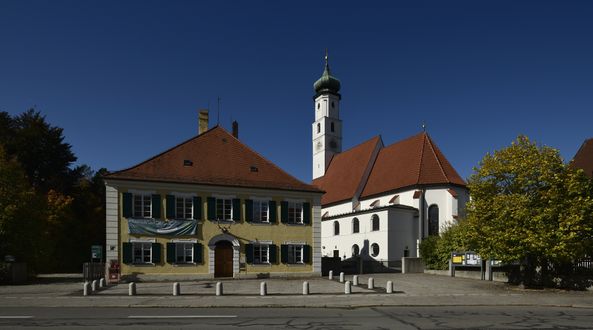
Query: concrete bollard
(94,285)
(341,277)
(389,288)
(86,289)
(102,282)
(219,289)
(371,284)
(355,280)
(176,289)
(263,289)
(331,275)
(348,287)
(132,289)
(305,288)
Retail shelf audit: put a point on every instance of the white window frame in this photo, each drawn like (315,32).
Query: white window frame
(185,250)
(293,217)
(292,257)
(224,204)
(257,210)
(145,201)
(373,252)
(261,254)
(143,249)
(185,199)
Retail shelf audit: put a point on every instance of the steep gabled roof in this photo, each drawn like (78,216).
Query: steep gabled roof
(217,158)
(345,172)
(583,159)
(413,161)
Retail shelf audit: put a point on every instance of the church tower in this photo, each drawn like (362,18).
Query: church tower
(327,128)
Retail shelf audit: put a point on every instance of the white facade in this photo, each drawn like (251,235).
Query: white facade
(398,228)
(326,132)
(394,234)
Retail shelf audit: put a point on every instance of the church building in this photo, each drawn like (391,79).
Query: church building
(380,200)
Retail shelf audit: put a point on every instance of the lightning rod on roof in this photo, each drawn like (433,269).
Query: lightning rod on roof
(218,112)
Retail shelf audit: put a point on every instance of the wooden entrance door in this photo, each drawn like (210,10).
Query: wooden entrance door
(223,259)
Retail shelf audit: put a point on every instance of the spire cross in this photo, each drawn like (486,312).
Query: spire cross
(326,57)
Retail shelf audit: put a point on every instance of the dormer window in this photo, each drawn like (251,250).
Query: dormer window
(254,169)
(376,203)
(187,162)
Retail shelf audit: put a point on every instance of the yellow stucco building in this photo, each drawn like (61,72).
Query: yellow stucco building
(211,207)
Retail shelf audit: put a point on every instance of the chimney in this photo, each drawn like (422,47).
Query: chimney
(202,121)
(235,129)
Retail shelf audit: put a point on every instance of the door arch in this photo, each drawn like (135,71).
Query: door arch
(226,243)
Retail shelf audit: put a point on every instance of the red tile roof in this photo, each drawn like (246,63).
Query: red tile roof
(413,161)
(345,172)
(217,158)
(410,162)
(584,158)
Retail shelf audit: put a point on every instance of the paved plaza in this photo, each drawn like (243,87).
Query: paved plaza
(409,290)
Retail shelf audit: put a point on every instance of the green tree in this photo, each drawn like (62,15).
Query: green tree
(528,206)
(21,213)
(40,149)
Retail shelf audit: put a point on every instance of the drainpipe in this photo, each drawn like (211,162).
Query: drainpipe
(421,221)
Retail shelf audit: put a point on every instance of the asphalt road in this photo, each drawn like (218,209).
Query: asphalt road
(457,317)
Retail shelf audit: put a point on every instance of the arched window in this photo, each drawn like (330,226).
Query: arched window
(375,222)
(374,250)
(336,228)
(332,126)
(433,220)
(355,226)
(333,106)
(355,250)
(318,127)
(318,105)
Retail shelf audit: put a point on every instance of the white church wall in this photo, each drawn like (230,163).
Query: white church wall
(342,208)
(402,232)
(365,238)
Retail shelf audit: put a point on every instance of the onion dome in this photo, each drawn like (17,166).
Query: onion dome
(327,83)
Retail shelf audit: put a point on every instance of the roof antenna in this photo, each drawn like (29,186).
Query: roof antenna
(218,113)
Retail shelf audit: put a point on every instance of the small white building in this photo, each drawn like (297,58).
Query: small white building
(379,201)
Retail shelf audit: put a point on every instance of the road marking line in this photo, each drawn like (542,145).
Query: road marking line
(180,316)
(16,317)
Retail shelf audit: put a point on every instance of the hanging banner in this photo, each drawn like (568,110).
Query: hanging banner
(160,227)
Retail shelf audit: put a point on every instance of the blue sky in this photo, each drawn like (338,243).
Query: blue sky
(125,78)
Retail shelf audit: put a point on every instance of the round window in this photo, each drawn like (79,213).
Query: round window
(375,249)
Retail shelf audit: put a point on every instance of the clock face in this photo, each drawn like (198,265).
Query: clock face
(319,145)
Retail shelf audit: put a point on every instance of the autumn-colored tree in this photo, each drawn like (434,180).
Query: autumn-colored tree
(21,213)
(528,206)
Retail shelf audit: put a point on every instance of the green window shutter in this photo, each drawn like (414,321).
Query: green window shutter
(156,253)
(273,211)
(307,253)
(273,252)
(248,210)
(127,207)
(198,251)
(127,253)
(211,208)
(284,212)
(170,206)
(306,213)
(198,208)
(171,253)
(284,253)
(236,209)
(249,253)
(156,206)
